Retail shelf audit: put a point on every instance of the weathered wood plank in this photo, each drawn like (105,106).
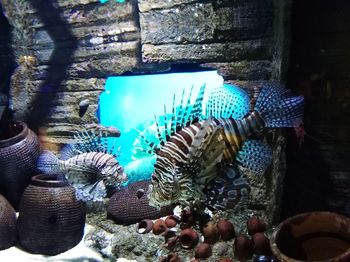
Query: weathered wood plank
(198,23)
(218,52)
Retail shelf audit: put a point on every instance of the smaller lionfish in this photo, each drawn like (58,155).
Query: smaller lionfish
(89,165)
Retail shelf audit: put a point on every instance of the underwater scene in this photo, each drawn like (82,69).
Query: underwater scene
(174,131)
(175,163)
(143,102)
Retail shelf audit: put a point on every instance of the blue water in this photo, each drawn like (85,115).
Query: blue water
(131,102)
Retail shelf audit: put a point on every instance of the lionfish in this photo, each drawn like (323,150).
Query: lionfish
(192,158)
(89,165)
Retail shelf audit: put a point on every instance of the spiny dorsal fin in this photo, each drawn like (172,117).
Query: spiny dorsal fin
(196,112)
(173,119)
(89,141)
(159,135)
(185,117)
(180,113)
(152,147)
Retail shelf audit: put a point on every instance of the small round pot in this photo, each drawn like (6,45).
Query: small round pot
(19,152)
(51,220)
(7,224)
(314,236)
(188,238)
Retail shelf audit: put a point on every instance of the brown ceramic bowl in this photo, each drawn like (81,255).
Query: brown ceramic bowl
(314,236)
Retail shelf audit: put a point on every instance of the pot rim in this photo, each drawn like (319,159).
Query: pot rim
(15,139)
(275,249)
(44,180)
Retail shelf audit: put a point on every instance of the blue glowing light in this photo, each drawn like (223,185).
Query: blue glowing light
(130,103)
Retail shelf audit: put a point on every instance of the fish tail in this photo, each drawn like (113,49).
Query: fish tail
(278,108)
(48,163)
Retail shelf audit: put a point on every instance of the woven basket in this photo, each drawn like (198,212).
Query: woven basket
(51,220)
(19,152)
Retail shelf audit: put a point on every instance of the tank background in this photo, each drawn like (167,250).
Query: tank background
(71,48)
(65,52)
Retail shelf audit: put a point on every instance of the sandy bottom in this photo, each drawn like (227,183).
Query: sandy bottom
(78,253)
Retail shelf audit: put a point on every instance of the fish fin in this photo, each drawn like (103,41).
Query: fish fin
(255,155)
(68,151)
(227,101)
(48,163)
(207,147)
(95,192)
(191,113)
(173,119)
(159,134)
(92,141)
(229,190)
(151,147)
(278,108)
(196,112)
(82,174)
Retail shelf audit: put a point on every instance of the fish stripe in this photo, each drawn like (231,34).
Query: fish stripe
(175,153)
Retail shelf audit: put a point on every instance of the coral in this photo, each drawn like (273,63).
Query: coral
(126,206)
(255,225)
(203,250)
(144,226)
(188,238)
(226,229)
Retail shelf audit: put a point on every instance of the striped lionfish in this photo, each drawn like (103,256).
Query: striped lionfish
(193,156)
(89,165)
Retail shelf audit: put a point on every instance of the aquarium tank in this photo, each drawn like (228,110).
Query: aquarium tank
(134,103)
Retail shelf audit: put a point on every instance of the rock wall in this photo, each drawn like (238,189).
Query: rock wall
(66,49)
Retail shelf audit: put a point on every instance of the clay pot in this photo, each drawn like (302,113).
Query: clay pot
(323,236)
(188,238)
(144,226)
(19,152)
(210,233)
(51,220)
(261,244)
(7,224)
(226,230)
(203,250)
(243,247)
(170,238)
(171,221)
(159,227)
(255,225)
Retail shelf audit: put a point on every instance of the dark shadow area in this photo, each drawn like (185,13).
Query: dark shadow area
(7,61)
(65,44)
(318,174)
